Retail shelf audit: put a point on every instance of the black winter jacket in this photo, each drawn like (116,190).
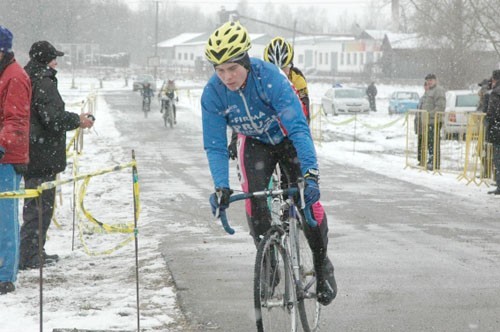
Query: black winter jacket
(49,122)
(493,116)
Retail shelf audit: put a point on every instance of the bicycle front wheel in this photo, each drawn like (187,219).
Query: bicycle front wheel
(274,290)
(308,306)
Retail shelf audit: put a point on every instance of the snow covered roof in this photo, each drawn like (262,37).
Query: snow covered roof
(197,38)
(403,40)
(179,39)
(374,34)
(310,40)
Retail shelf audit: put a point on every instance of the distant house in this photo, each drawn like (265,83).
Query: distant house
(337,55)
(410,56)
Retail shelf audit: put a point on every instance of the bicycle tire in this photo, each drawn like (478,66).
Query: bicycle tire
(308,306)
(170,116)
(275,300)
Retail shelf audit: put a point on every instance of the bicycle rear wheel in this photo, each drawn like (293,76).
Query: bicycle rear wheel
(308,306)
(170,116)
(274,289)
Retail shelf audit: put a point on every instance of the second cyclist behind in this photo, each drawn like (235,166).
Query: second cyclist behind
(280,52)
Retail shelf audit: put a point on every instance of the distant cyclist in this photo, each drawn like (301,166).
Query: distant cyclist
(280,52)
(147,93)
(168,94)
(258,102)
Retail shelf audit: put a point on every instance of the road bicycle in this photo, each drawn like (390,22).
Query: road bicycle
(167,106)
(146,105)
(284,276)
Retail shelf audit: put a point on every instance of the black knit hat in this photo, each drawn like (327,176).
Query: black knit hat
(43,52)
(496,75)
(243,59)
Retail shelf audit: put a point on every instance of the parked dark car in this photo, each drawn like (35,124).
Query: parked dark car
(141,79)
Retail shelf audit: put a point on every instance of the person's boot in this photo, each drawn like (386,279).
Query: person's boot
(494,192)
(50,258)
(6,287)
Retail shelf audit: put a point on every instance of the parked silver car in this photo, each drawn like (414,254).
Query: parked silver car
(344,100)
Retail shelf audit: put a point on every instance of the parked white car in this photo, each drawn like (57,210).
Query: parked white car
(458,104)
(343,100)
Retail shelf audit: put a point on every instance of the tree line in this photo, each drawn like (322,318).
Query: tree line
(459,26)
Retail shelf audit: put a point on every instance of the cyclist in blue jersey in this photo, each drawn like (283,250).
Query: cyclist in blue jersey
(258,102)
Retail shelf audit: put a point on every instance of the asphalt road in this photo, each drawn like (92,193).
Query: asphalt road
(407,258)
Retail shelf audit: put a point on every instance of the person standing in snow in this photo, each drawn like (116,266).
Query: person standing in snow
(371,92)
(49,123)
(15,98)
(493,115)
(434,101)
(256,100)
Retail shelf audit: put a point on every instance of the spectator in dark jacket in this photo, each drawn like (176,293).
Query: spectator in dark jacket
(15,96)
(49,123)
(421,123)
(371,92)
(493,115)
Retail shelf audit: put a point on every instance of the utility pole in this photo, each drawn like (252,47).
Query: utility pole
(157,62)
(395,15)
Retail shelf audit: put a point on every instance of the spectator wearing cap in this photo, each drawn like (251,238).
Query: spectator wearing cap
(493,116)
(482,106)
(15,98)
(49,123)
(434,101)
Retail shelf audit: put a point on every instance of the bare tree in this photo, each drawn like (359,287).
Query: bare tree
(449,30)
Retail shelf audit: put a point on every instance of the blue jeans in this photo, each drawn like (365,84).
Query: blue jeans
(9,225)
(496,162)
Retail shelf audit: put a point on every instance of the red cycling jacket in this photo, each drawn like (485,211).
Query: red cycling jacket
(15,102)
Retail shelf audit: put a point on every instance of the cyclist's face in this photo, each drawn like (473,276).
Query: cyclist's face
(232,74)
(286,69)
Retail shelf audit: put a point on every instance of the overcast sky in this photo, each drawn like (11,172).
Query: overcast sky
(336,7)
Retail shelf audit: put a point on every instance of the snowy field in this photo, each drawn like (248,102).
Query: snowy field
(98,291)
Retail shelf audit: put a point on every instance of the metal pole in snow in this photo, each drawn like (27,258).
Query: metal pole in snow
(134,181)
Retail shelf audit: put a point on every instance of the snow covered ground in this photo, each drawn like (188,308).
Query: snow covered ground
(95,291)
(98,291)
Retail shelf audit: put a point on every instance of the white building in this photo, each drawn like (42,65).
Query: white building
(328,55)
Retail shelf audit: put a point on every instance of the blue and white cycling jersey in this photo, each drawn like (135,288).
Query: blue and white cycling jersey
(261,110)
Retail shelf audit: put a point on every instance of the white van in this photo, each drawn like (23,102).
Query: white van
(458,104)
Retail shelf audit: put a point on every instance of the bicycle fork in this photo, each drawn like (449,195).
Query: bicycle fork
(302,290)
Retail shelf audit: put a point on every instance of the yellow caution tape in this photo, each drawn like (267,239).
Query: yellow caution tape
(127,228)
(26,193)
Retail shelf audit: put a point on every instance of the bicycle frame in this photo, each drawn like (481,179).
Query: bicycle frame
(167,105)
(298,298)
